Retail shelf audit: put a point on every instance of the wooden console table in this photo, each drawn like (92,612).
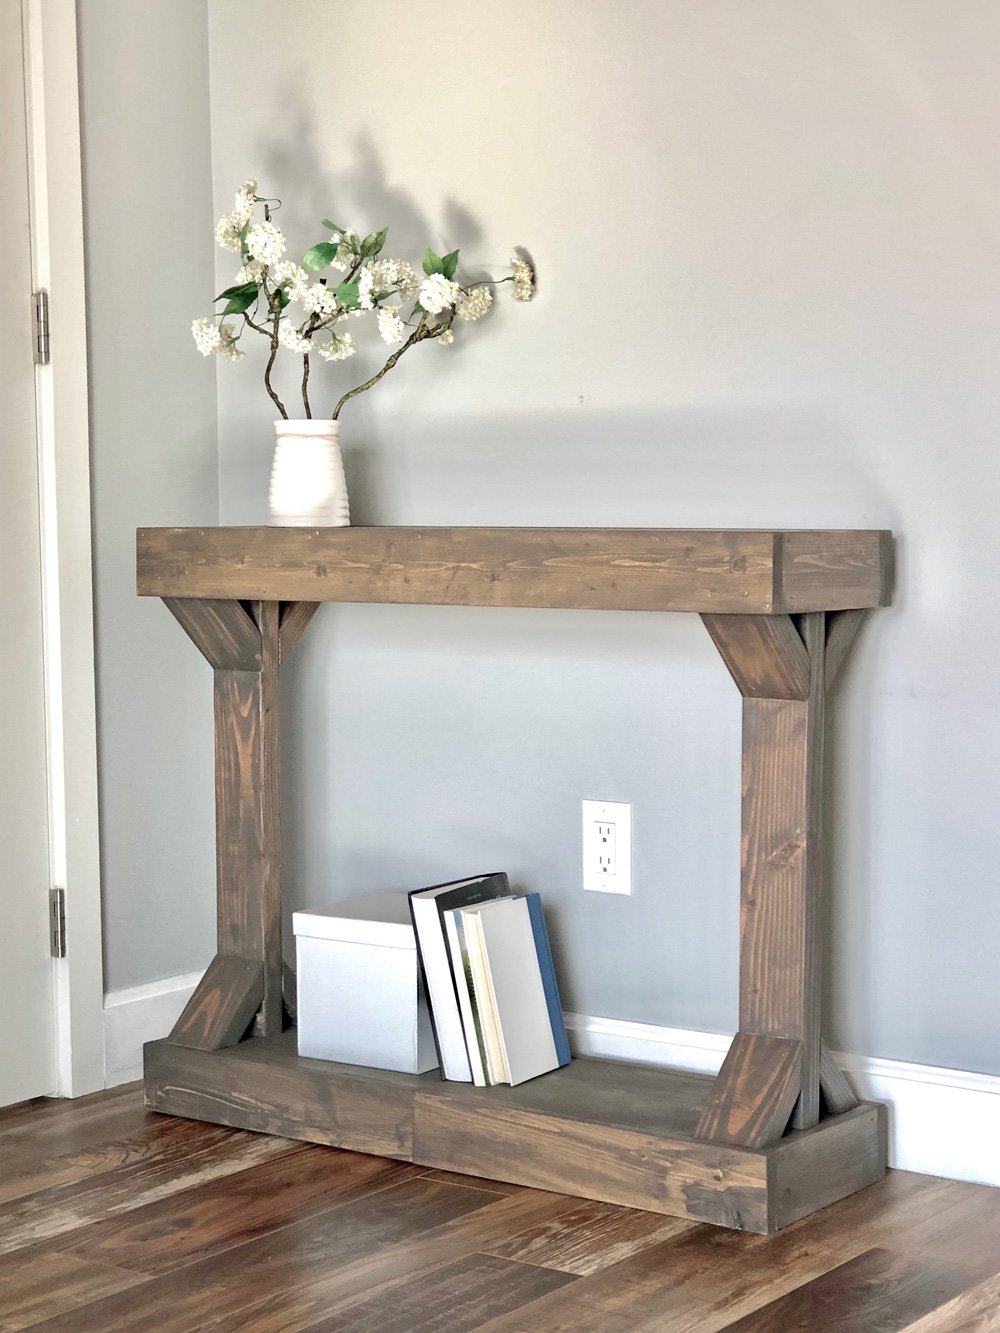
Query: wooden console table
(778,1133)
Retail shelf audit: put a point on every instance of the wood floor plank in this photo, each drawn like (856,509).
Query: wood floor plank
(24,1173)
(456,1299)
(880,1291)
(50,1284)
(209,1218)
(64,1208)
(967,1232)
(226,1289)
(974,1311)
(589,1237)
(475,1182)
(68,1127)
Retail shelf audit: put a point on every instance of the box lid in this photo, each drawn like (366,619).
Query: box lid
(374,918)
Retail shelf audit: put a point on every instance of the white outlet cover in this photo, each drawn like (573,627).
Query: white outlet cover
(595,876)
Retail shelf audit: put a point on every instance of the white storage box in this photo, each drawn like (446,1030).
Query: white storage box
(360,994)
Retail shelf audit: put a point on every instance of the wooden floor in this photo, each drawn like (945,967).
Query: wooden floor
(114,1218)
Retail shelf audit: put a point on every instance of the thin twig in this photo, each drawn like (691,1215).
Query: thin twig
(421,332)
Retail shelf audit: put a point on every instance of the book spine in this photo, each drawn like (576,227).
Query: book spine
(442,999)
(548,972)
(467,1001)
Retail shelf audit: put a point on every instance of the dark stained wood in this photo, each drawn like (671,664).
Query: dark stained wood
(838,1095)
(264,1086)
(765,655)
(221,630)
(464,1295)
(973,1311)
(619,1133)
(842,628)
(680,1177)
(310,1238)
(879,1292)
(48,1284)
(207,1219)
(295,617)
(816,1167)
(812,564)
(248,851)
(753,1096)
(588,1238)
(656,569)
(223,1004)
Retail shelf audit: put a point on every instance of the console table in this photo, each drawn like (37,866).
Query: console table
(778,1133)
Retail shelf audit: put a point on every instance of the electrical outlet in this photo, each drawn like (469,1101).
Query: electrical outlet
(607,846)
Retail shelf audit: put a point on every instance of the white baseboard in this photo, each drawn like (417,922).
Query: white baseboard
(137,1015)
(942,1122)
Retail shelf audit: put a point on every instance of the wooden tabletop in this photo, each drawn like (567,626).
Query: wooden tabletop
(752,571)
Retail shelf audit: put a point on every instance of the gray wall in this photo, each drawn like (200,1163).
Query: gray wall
(766,236)
(148,224)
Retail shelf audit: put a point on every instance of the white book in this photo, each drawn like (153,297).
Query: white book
(523,1021)
(468,999)
(496,1065)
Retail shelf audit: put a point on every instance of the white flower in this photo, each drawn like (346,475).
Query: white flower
(438,293)
(318,300)
(206,336)
(366,288)
(265,242)
(390,325)
(227,231)
(296,277)
(289,336)
(228,343)
(245,198)
(445,339)
(524,279)
(339,348)
(344,257)
(390,274)
(474,304)
(252,271)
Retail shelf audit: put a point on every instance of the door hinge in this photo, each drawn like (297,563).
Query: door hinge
(57,922)
(41,328)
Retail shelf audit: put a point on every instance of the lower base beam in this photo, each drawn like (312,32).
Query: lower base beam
(620,1133)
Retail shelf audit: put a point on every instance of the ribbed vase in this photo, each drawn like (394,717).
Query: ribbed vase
(308,487)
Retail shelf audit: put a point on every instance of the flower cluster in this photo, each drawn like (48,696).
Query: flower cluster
(292,308)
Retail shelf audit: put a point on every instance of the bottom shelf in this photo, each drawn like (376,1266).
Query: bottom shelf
(598,1129)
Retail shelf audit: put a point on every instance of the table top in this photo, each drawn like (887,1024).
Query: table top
(739,571)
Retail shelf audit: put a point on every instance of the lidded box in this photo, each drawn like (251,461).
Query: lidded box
(361,997)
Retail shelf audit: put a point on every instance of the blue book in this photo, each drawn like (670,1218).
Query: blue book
(548,972)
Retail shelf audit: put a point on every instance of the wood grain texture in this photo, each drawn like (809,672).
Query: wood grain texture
(223,1004)
(842,628)
(589,1237)
(753,1095)
(765,655)
(879,1292)
(680,1177)
(815,1167)
(657,569)
(221,630)
(463,1295)
(311,1238)
(248,845)
(838,1095)
(264,1086)
(833,571)
(295,618)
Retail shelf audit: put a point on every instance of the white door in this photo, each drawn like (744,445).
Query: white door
(27,1038)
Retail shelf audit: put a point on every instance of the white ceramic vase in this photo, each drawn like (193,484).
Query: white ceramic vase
(308,488)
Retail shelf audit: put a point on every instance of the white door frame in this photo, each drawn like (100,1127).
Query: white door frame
(56,188)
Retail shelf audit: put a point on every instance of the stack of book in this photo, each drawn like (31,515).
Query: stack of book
(490,982)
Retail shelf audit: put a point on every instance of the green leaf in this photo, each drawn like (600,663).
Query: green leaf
(237,304)
(239,290)
(417,309)
(347,295)
(449,264)
(432,263)
(332,226)
(283,295)
(319,256)
(380,296)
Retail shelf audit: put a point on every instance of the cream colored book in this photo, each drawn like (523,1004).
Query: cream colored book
(496,1062)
